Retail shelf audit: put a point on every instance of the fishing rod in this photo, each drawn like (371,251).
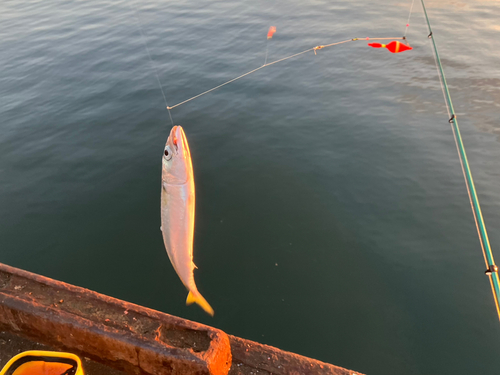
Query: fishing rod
(491,268)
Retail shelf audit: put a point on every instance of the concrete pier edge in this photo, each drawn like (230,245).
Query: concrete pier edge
(133,338)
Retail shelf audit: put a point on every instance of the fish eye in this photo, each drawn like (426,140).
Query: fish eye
(167,153)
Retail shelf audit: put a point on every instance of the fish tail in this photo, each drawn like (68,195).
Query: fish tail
(196,297)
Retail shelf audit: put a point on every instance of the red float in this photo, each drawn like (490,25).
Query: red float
(394,46)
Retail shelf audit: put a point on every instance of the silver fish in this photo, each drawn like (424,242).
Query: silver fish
(177,212)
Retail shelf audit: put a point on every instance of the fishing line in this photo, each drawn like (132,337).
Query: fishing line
(491,268)
(138,21)
(314,49)
(267,49)
(408,22)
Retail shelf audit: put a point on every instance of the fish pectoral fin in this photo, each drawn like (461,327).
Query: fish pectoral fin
(194,265)
(161,228)
(202,302)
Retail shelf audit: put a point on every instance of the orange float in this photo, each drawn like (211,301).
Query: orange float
(394,46)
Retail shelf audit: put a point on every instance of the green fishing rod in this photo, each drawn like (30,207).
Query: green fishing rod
(491,268)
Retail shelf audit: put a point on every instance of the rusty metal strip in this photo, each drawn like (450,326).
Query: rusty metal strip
(133,338)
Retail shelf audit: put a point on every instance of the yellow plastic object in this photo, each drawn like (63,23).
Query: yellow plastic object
(40,362)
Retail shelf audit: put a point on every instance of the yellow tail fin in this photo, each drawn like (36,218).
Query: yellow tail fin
(198,298)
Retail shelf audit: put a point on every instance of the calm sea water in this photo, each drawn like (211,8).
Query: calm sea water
(332,216)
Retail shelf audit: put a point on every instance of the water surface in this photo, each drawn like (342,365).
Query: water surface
(332,216)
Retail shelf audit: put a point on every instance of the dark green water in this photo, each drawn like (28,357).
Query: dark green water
(332,216)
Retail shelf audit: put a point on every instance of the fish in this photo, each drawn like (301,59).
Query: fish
(178,212)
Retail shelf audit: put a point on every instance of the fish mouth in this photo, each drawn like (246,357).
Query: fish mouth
(178,141)
(172,140)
